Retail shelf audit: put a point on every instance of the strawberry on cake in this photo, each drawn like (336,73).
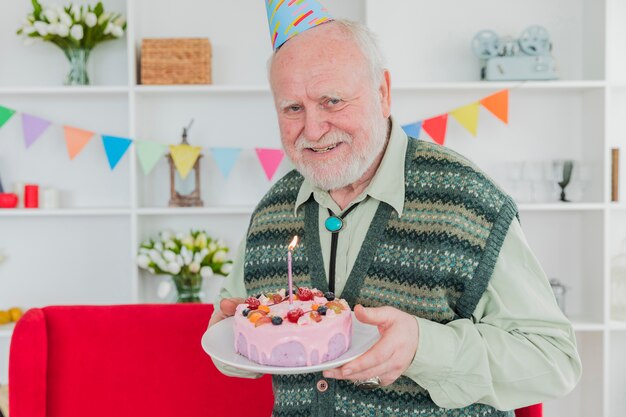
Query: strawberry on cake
(316,328)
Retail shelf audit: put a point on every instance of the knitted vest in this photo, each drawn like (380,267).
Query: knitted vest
(433,262)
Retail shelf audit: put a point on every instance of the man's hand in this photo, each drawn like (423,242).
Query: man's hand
(391,355)
(227,309)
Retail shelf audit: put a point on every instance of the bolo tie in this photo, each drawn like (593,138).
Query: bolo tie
(334,224)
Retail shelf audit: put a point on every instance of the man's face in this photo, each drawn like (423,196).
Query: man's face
(332,118)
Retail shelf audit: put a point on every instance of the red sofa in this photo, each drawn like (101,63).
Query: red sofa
(123,361)
(127,361)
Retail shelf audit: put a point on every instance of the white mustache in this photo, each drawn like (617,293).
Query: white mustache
(329,139)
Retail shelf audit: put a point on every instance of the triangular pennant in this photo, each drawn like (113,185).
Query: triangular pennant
(225,158)
(498,104)
(5,114)
(436,128)
(115,148)
(184,156)
(149,153)
(33,127)
(467,116)
(270,159)
(76,139)
(413,130)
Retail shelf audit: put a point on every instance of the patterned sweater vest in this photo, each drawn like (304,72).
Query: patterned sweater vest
(433,262)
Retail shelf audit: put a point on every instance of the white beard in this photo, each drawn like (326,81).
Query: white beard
(345,169)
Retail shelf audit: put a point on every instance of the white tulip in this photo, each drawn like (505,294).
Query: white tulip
(75,10)
(52,29)
(152,271)
(227,269)
(194,267)
(77,32)
(118,32)
(155,255)
(108,29)
(41,28)
(143,261)
(173,268)
(162,265)
(220,256)
(65,19)
(180,235)
(91,19)
(158,246)
(120,21)
(62,30)
(179,260)
(188,241)
(198,257)
(51,15)
(103,17)
(166,235)
(212,247)
(28,29)
(170,244)
(206,272)
(169,256)
(144,251)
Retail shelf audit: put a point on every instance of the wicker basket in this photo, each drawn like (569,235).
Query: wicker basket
(176,61)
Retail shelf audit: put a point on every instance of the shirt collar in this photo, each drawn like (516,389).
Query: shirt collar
(386,186)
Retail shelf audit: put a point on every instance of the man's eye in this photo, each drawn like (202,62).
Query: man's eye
(333,101)
(294,108)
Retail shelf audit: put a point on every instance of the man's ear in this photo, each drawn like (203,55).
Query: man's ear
(384,91)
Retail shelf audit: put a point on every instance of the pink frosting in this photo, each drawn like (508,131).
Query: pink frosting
(304,343)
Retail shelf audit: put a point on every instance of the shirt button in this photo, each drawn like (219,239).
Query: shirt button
(322,385)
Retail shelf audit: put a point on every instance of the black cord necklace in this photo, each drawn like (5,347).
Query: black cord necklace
(334,224)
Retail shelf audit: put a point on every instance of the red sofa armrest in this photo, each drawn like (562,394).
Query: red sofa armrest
(530,411)
(28,365)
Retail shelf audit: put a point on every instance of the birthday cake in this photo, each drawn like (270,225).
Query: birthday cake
(315,328)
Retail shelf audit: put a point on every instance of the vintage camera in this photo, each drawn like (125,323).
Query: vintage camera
(509,59)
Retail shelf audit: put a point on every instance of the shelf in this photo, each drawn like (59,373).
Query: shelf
(169,211)
(617,206)
(203,89)
(491,85)
(586,326)
(6,330)
(64,212)
(561,206)
(86,90)
(618,325)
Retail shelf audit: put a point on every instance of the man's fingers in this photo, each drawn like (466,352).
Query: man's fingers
(375,356)
(228,305)
(377,316)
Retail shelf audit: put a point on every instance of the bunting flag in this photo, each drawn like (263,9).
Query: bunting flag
(76,139)
(185,157)
(5,114)
(436,128)
(33,127)
(270,160)
(498,104)
(225,159)
(413,130)
(467,116)
(149,153)
(115,148)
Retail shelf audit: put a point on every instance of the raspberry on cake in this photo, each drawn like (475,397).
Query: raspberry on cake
(316,329)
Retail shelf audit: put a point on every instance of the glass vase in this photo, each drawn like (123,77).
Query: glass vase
(78,66)
(188,288)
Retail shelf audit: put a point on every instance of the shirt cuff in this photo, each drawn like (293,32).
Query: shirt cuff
(435,355)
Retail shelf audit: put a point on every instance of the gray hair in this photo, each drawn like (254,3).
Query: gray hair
(367,42)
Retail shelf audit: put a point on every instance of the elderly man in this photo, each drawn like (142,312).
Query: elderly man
(431,251)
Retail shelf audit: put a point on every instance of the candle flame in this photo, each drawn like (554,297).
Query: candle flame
(293,243)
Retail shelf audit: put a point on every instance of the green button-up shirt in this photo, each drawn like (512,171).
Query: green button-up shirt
(517,349)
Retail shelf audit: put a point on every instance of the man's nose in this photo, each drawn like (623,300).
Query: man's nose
(315,124)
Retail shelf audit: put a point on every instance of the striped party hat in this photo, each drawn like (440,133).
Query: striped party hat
(287,18)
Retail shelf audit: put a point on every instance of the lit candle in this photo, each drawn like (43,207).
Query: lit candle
(292,245)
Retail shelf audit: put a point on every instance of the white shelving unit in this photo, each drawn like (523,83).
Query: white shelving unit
(84,252)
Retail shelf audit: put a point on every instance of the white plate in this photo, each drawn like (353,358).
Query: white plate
(219,343)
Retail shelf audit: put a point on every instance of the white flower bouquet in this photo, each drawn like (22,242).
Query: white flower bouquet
(75,29)
(188,258)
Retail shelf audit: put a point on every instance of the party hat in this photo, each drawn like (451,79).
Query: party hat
(287,18)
